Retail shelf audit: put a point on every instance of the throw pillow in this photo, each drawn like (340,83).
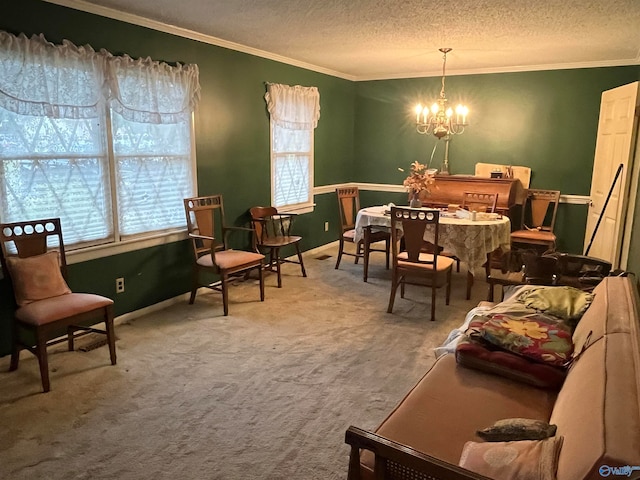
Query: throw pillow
(564,302)
(531,336)
(37,277)
(511,429)
(523,460)
(480,355)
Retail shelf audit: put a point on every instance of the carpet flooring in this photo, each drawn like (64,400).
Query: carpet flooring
(265,393)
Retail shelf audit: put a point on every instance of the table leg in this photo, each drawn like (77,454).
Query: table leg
(367,242)
(469,284)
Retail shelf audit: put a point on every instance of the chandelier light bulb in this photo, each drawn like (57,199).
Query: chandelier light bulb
(440,120)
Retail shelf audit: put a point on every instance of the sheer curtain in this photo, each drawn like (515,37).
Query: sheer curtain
(151,105)
(294,113)
(53,153)
(55,104)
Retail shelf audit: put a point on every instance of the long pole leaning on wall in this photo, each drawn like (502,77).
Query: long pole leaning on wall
(604,208)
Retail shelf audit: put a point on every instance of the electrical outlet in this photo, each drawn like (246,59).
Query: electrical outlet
(326,226)
(120,285)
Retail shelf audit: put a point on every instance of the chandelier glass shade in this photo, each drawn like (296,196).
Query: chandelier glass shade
(440,119)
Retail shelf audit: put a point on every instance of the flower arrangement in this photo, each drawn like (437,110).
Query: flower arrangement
(419,180)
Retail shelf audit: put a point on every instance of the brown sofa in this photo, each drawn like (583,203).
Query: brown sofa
(596,410)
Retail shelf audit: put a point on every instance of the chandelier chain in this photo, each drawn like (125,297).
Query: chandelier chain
(441,120)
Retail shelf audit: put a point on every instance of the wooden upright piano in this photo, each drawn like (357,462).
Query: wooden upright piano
(448,189)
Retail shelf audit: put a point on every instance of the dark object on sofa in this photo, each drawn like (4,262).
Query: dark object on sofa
(556,268)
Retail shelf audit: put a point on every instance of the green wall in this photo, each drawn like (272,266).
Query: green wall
(546,120)
(232,144)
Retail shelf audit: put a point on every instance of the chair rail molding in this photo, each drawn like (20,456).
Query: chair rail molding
(387,187)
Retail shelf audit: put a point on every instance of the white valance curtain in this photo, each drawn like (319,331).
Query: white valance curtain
(67,81)
(147,91)
(293,107)
(41,79)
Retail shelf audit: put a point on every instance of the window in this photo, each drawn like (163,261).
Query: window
(103,142)
(294,114)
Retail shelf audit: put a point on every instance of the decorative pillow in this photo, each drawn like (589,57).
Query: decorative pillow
(511,429)
(481,355)
(564,302)
(36,278)
(523,460)
(533,337)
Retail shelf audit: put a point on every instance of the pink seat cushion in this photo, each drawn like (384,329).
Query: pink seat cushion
(53,309)
(229,259)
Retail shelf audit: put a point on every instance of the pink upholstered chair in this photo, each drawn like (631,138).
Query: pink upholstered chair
(45,304)
(205,218)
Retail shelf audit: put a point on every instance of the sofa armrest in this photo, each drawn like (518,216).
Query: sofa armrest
(399,462)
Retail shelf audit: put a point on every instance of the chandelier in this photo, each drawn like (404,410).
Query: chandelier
(439,119)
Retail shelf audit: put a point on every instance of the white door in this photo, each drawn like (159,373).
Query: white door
(616,135)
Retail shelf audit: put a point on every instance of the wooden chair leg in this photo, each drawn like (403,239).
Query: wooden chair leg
(340,250)
(448,291)
(275,257)
(490,291)
(70,338)
(367,232)
(225,293)
(394,287)
(15,349)
(43,361)
(111,336)
(433,302)
(261,275)
(194,286)
(304,272)
(387,246)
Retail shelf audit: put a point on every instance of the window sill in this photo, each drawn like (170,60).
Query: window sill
(298,209)
(99,251)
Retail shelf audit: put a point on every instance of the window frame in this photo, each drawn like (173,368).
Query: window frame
(304,207)
(142,240)
(111,239)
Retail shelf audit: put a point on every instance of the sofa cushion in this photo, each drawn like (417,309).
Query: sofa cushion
(609,313)
(564,302)
(533,337)
(480,355)
(523,460)
(37,277)
(598,408)
(450,403)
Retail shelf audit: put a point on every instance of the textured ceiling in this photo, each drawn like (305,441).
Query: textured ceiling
(377,39)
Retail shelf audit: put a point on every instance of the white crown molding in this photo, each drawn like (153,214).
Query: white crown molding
(514,69)
(190,34)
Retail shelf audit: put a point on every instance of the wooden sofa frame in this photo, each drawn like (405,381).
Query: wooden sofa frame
(394,461)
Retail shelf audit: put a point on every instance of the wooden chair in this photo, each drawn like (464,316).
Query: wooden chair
(412,266)
(273,232)
(538,221)
(348,207)
(206,226)
(479,202)
(33,255)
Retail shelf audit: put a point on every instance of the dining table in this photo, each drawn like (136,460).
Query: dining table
(470,239)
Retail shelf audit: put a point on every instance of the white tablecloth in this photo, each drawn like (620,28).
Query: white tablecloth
(469,240)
